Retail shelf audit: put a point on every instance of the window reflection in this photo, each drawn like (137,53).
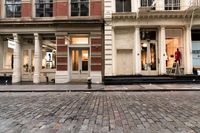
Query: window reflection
(48,54)
(44,8)
(13,8)
(79,8)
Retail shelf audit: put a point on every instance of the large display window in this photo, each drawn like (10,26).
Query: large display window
(174,41)
(48,54)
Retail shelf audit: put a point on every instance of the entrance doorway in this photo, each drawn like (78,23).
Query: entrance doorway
(28,65)
(149,59)
(79,63)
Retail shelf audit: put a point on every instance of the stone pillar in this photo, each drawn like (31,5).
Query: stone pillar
(1,52)
(37,59)
(62,68)
(162,52)
(137,52)
(188,52)
(17,60)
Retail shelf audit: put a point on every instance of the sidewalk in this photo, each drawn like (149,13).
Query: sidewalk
(99,87)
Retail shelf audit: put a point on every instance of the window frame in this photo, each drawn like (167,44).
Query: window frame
(174,6)
(13,5)
(43,8)
(146,3)
(79,3)
(123,6)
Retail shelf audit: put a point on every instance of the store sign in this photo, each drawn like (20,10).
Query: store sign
(11,44)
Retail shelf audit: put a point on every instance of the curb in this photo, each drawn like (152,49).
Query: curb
(90,90)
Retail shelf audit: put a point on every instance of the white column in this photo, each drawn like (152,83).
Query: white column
(162,54)
(137,52)
(37,61)
(188,52)
(17,62)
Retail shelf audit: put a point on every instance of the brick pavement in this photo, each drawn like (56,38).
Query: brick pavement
(100,112)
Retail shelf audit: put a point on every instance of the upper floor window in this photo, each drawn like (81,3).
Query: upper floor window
(13,8)
(123,5)
(44,8)
(147,3)
(172,4)
(79,7)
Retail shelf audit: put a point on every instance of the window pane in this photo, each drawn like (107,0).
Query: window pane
(84,9)
(119,5)
(9,11)
(79,40)
(127,6)
(74,9)
(84,60)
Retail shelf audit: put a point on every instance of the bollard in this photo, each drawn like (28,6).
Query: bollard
(89,82)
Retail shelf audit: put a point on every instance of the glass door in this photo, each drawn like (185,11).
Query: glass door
(28,65)
(149,64)
(79,63)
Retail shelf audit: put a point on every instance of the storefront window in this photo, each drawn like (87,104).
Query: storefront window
(48,54)
(7,56)
(173,41)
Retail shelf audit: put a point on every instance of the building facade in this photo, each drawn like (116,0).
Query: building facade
(141,36)
(51,40)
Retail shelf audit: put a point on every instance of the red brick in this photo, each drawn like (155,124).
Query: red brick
(60,41)
(96,49)
(62,67)
(96,41)
(96,8)
(26,10)
(96,59)
(60,9)
(61,48)
(61,59)
(96,67)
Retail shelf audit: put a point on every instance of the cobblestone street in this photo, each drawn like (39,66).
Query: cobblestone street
(100,112)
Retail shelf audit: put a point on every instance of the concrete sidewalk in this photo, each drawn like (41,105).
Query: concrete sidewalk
(99,87)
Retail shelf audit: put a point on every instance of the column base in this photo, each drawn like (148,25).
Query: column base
(16,78)
(62,77)
(36,79)
(96,77)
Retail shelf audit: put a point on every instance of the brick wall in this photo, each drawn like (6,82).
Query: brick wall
(26,10)
(96,54)
(96,8)
(60,9)
(62,50)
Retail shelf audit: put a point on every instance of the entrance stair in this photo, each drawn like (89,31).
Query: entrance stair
(126,80)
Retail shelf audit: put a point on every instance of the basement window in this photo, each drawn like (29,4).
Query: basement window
(123,5)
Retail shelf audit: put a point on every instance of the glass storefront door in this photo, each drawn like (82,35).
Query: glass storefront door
(149,59)
(28,65)
(79,63)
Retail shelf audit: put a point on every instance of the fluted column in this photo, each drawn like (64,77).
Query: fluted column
(17,62)
(37,61)
(162,54)
(137,48)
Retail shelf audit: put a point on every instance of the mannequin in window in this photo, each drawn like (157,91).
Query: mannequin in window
(178,56)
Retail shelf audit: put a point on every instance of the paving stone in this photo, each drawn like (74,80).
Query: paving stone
(100,112)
